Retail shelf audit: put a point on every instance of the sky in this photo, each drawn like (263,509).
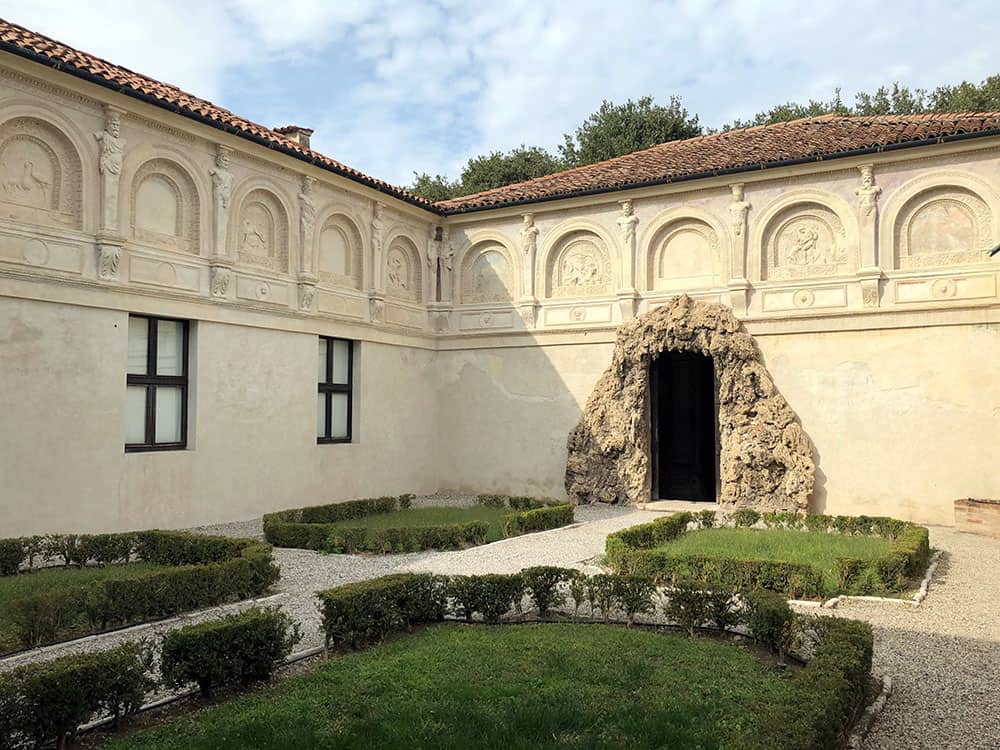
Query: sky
(392,88)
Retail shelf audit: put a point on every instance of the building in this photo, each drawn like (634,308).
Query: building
(202,319)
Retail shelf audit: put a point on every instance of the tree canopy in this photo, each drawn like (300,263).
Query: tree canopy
(617,129)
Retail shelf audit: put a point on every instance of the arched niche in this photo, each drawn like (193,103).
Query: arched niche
(340,252)
(684,254)
(487,274)
(578,265)
(41,177)
(164,209)
(403,274)
(806,239)
(942,226)
(261,233)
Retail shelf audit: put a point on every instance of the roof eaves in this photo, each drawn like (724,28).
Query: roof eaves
(741,169)
(69,68)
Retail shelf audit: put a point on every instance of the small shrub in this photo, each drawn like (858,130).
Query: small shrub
(745,517)
(633,595)
(578,592)
(236,650)
(368,611)
(720,608)
(104,549)
(492,501)
(770,619)
(41,618)
(492,595)
(405,501)
(686,605)
(706,519)
(601,594)
(12,554)
(542,585)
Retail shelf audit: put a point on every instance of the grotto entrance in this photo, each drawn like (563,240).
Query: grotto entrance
(684,417)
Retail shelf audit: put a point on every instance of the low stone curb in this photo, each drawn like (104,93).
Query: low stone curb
(129,633)
(864,724)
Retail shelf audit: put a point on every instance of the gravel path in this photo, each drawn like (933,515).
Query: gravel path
(943,656)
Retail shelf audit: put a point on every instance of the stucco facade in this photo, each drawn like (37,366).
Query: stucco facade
(866,282)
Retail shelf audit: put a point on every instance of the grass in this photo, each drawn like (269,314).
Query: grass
(454,687)
(814,548)
(57,579)
(435,516)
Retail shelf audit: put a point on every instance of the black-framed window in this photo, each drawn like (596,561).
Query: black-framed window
(156,384)
(333,410)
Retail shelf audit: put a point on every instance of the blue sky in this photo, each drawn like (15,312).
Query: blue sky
(397,87)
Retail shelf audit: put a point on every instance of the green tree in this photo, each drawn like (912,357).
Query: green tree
(617,129)
(436,188)
(497,169)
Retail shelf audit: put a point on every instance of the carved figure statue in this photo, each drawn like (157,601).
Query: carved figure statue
(869,192)
(447,261)
(627,222)
(307,221)
(529,235)
(108,258)
(222,192)
(432,249)
(738,209)
(219,281)
(110,165)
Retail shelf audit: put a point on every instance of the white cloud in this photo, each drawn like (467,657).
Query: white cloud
(396,87)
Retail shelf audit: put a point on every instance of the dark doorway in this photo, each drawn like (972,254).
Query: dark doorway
(683,416)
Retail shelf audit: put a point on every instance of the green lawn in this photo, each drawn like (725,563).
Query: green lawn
(57,579)
(438,516)
(454,687)
(814,548)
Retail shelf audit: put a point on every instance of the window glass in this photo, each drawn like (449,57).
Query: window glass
(341,361)
(138,345)
(135,414)
(169,347)
(338,427)
(322,359)
(168,415)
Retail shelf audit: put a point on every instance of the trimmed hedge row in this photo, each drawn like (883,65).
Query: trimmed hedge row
(238,649)
(208,571)
(633,551)
(315,527)
(47,702)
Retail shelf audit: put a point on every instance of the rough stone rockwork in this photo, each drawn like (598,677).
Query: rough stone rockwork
(766,458)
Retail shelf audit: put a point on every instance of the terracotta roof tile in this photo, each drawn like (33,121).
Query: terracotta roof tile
(736,151)
(22,41)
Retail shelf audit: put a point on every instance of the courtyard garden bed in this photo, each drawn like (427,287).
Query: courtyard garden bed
(94,583)
(392,524)
(811,556)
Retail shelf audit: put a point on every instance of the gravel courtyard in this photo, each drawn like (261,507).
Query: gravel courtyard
(943,657)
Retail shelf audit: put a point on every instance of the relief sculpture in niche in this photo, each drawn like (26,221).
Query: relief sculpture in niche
(806,241)
(401,274)
(943,227)
(40,174)
(581,269)
(262,232)
(486,277)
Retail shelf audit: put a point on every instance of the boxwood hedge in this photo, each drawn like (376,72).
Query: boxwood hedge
(635,550)
(205,571)
(318,527)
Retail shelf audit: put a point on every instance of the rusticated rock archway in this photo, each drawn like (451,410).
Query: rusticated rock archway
(766,458)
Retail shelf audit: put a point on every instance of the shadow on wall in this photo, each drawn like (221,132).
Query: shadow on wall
(766,459)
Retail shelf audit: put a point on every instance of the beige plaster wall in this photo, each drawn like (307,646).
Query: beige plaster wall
(904,421)
(252,445)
